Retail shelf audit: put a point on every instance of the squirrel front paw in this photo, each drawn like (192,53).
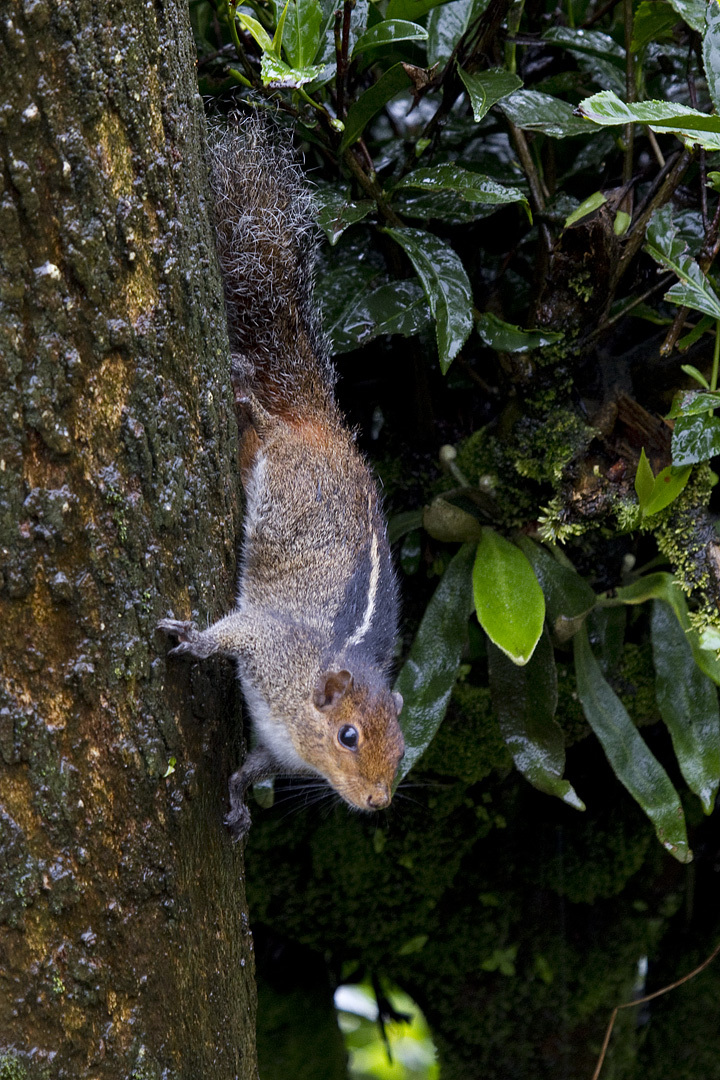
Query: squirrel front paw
(238,821)
(191,641)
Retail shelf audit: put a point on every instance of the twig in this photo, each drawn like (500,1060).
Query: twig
(605,326)
(371,188)
(629,90)
(675,331)
(537,196)
(642,1000)
(599,14)
(636,234)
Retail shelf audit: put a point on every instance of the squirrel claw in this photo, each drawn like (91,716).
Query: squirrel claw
(238,822)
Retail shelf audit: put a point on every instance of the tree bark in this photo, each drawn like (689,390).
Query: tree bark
(124,942)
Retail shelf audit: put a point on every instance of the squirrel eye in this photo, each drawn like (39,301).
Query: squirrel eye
(348,737)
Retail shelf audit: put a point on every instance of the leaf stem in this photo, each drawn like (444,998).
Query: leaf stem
(716,358)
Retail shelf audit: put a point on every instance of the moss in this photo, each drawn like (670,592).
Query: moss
(468,744)
(11,1068)
(635,683)
(686,536)
(544,446)
(486,463)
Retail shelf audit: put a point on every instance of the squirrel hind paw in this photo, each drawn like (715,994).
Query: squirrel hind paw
(238,821)
(191,641)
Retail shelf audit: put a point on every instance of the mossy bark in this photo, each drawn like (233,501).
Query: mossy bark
(124,942)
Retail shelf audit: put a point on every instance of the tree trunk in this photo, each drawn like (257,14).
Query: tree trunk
(124,943)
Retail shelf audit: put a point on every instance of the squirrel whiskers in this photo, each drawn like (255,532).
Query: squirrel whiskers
(316,615)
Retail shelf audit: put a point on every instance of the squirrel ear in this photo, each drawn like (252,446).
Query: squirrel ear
(398,702)
(330,688)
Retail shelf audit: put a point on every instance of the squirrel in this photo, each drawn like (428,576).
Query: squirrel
(313,629)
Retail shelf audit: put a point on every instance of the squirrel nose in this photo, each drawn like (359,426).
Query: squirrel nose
(380,798)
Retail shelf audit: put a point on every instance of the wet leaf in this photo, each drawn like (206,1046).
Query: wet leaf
(693,12)
(505,337)
(303,32)
(525,700)
(397,308)
(694,403)
(533,111)
(631,760)
(695,438)
(428,675)
(662,116)
(486,88)
(592,42)
(446,25)
(666,247)
(688,704)
(371,102)
(509,602)
(401,524)
(711,53)
(336,213)
(568,597)
(663,586)
(410,9)
(389,32)
(446,287)
(469,186)
(275,72)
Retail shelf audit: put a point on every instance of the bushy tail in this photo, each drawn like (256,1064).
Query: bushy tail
(266,247)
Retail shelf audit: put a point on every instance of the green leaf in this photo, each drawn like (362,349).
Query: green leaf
(693,126)
(486,88)
(470,186)
(258,31)
(668,484)
(533,111)
(644,479)
(694,403)
(663,586)
(506,337)
(399,308)
(711,52)
(587,206)
(304,32)
(654,19)
(446,287)
(447,24)
(656,492)
(633,764)
(389,32)
(592,42)
(337,213)
(401,524)
(693,12)
(428,675)
(705,325)
(694,439)
(525,700)
(693,289)
(568,597)
(693,372)
(410,9)
(688,704)
(277,73)
(392,82)
(509,602)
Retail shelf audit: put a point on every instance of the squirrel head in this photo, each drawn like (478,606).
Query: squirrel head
(359,743)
